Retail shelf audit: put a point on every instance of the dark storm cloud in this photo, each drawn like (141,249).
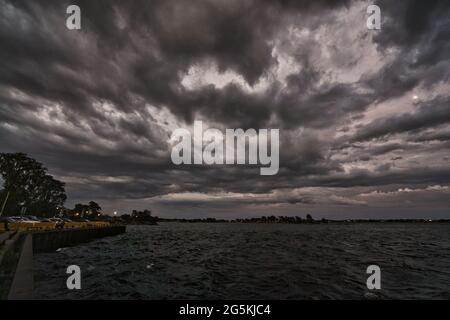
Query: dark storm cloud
(433,113)
(358,152)
(317,109)
(439,136)
(409,21)
(420,30)
(170,37)
(421,175)
(87,103)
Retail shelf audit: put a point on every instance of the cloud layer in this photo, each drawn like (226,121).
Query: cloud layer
(362,113)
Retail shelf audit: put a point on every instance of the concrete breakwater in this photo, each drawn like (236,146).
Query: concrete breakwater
(50,240)
(17,249)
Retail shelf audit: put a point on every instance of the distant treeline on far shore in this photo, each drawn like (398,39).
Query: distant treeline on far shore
(293,220)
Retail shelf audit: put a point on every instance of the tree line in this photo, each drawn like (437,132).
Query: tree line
(28,188)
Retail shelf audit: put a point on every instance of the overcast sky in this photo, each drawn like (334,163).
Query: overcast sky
(363,114)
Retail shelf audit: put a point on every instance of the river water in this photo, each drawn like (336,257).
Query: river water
(254,261)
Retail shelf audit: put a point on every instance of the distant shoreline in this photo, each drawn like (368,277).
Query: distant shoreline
(282,221)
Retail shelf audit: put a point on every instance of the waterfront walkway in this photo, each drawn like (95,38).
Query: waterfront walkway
(18,246)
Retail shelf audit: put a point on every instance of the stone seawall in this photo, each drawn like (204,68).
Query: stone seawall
(25,244)
(50,240)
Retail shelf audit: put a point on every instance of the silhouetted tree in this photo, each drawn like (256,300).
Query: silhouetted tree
(91,210)
(26,184)
(79,210)
(94,208)
(125,217)
(141,215)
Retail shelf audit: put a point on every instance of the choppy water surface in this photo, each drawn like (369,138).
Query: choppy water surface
(254,261)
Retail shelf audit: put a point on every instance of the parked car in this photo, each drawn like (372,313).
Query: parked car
(31,218)
(21,219)
(8,219)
